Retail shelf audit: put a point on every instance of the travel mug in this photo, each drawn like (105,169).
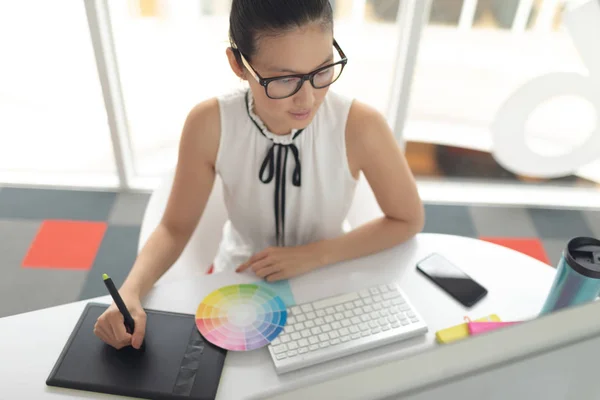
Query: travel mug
(577,279)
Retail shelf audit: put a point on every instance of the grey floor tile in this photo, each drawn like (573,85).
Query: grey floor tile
(502,222)
(593,220)
(116,256)
(55,204)
(32,289)
(448,219)
(15,238)
(559,224)
(554,249)
(128,209)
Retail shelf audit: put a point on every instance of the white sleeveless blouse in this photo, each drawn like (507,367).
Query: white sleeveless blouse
(281,190)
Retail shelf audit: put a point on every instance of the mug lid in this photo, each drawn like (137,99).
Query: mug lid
(583,255)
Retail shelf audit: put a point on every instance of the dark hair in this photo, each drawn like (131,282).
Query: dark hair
(250,20)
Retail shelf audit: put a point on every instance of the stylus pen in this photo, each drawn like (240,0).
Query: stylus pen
(129,324)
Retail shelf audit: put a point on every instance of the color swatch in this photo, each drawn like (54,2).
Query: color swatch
(241,317)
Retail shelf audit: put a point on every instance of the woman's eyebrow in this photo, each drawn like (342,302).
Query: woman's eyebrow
(275,69)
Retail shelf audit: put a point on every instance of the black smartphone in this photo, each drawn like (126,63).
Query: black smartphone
(452,279)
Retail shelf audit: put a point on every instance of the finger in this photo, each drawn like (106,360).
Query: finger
(118,328)
(268,270)
(256,257)
(276,276)
(265,263)
(140,331)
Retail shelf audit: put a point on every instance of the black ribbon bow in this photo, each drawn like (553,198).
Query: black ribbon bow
(274,166)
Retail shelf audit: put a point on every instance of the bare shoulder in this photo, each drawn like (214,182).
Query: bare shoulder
(202,131)
(367,131)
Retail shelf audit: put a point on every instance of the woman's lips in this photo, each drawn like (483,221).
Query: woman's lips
(300,115)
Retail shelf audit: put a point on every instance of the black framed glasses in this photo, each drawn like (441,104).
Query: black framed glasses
(281,87)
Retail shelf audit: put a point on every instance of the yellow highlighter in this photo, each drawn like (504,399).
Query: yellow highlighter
(460,331)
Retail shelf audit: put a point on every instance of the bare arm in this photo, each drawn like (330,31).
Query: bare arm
(373,150)
(193,182)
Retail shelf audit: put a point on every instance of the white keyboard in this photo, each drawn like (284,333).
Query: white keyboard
(341,325)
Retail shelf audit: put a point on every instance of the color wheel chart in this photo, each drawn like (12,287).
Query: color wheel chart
(241,317)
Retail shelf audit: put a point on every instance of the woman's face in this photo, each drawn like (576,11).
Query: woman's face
(299,51)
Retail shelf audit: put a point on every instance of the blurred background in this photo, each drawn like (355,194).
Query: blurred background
(157,58)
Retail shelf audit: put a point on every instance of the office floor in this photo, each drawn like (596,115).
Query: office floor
(56,244)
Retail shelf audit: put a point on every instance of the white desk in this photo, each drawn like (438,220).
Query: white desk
(30,343)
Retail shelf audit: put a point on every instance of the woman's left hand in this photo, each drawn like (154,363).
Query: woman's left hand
(277,263)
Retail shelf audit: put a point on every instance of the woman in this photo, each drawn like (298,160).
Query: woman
(289,152)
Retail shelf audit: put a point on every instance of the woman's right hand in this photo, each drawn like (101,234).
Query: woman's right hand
(110,326)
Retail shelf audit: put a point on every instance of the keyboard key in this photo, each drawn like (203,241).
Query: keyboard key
(326,328)
(330,310)
(373,324)
(377,306)
(333,335)
(336,325)
(365,318)
(281,356)
(390,295)
(295,310)
(375,315)
(410,314)
(276,341)
(349,306)
(289,329)
(385,327)
(300,318)
(364,293)
(284,338)
(344,339)
(363,327)
(359,303)
(395,324)
(319,321)
(365,333)
(296,336)
(291,320)
(394,310)
(384,313)
(303,343)
(377,298)
(292,346)
(346,322)
(391,319)
(299,326)
(353,329)
(344,332)
(414,319)
(348,314)
(367,309)
(280,349)
(306,308)
(329,319)
(383,289)
(323,337)
(404,307)
(386,303)
(405,322)
(355,336)
(316,330)
(292,353)
(374,291)
(357,311)
(305,333)
(376,330)
(302,350)
(311,315)
(313,347)
(323,344)
(392,287)
(355,320)
(368,300)
(333,301)
(339,316)
(339,308)
(335,341)
(382,321)
(320,313)
(397,301)
(309,324)
(313,340)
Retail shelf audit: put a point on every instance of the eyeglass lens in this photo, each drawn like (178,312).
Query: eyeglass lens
(287,86)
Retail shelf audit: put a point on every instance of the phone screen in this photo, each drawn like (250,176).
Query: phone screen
(452,279)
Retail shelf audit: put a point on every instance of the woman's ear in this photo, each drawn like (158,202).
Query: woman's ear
(235,67)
